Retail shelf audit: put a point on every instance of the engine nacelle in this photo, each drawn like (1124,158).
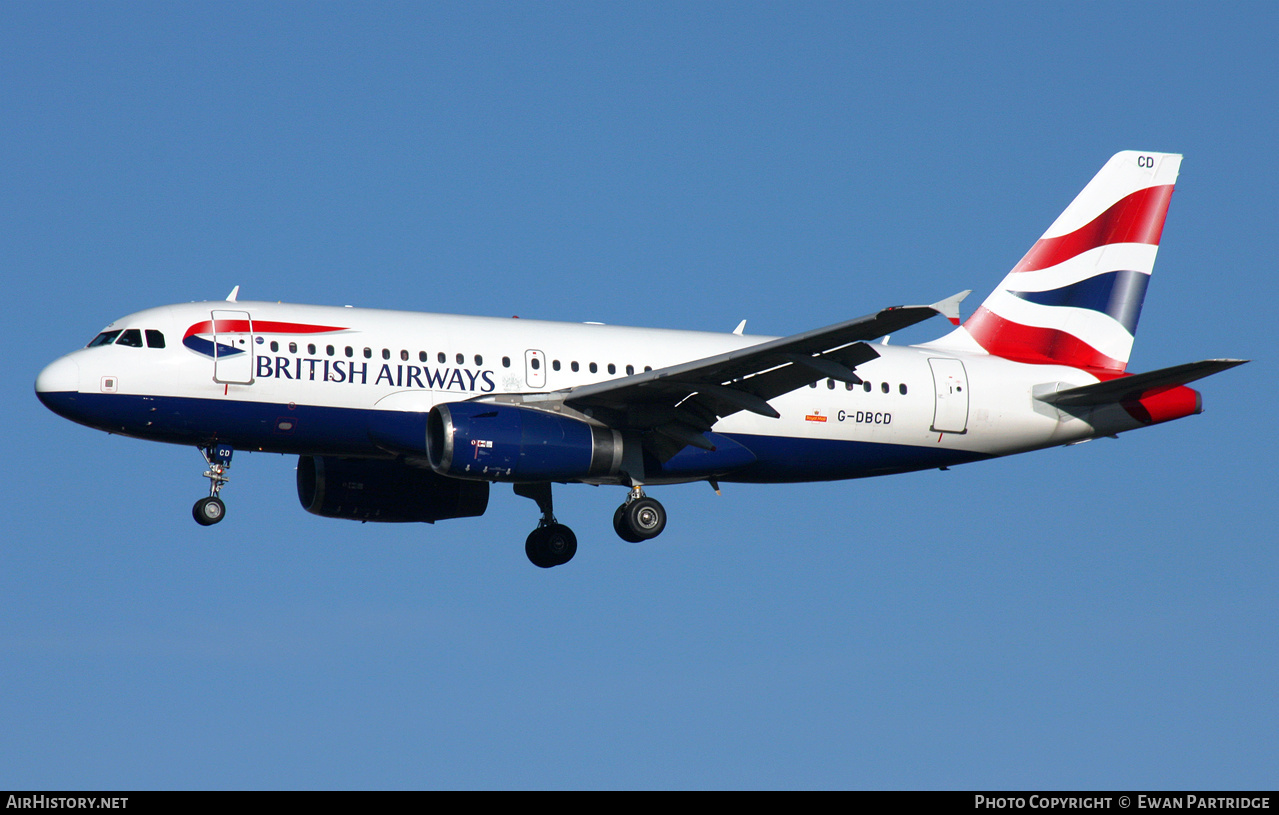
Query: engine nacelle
(482,440)
(385,490)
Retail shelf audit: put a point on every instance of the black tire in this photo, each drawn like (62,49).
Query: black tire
(208,511)
(619,526)
(644,518)
(549,546)
(560,544)
(536,551)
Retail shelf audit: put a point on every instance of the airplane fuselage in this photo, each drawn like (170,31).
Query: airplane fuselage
(321,380)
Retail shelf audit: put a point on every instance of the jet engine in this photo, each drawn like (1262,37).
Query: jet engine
(484,441)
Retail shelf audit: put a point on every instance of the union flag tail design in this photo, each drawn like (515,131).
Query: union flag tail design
(1075,298)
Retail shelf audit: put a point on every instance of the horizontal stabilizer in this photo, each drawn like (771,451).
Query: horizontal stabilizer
(1131,388)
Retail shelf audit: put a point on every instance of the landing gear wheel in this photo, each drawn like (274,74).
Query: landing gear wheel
(208,511)
(620,527)
(550,545)
(643,519)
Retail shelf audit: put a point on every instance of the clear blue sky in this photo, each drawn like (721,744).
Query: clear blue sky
(1100,616)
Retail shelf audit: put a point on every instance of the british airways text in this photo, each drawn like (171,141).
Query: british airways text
(399,376)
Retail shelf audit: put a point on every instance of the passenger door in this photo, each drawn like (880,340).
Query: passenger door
(951,386)
(233,347)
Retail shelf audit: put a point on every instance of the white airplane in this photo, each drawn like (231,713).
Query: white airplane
(402,416)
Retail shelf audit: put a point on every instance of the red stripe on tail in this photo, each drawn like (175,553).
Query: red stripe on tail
(1137,218)
(1041,346)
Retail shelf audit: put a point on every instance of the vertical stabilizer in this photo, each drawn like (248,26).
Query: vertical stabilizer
(1076,296)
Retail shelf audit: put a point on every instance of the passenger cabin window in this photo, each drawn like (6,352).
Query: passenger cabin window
(293,348)
(105,338)
(131,337)
(155,339)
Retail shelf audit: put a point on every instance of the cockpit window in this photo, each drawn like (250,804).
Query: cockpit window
(131,337)
(105,338)
(155,339)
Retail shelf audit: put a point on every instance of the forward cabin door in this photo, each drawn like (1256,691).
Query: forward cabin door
(951,386)
(233,347)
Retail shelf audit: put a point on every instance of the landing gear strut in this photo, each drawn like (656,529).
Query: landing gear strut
(552,543)
(639,519)
(208,511)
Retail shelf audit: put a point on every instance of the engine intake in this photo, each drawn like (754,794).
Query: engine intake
(480,440)
(385,490)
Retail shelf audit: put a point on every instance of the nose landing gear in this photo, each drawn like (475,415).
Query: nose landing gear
(208,511)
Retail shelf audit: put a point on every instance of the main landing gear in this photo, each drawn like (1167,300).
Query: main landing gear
(640,518)
(552,543)
(208,511)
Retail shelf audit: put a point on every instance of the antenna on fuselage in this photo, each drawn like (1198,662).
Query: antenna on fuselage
(230,298)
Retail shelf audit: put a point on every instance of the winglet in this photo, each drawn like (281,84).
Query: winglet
(949,308)
(230,298)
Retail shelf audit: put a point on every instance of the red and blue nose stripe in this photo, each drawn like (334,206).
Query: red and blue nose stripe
(192,339)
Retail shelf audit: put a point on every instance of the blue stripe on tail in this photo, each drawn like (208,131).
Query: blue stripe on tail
(1119,294)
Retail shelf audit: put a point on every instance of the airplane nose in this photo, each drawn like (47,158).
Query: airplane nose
(60,376)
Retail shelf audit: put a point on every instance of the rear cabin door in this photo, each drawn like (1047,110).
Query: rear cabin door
(233,347)
(951,386)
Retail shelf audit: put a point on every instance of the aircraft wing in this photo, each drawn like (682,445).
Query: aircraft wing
(683,401)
